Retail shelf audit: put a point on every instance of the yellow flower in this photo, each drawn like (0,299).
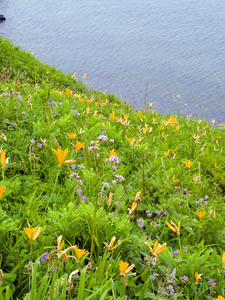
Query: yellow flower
(175,180)
(69,91)
(78,145)
(132,209)
(172,121)
(200,214)
(219,298)
(3,160)
(61,155)
(187,164)
(166,153)
(140,114)
(145,129)
(137,197)
(175,228)
(197,278)
(110,198)
(131,141)
(110,246)
(85,75)
(112,153)
(32,233)
(156,248)
(72,136)
(112,115)
(125,268)
(2,189)
(79,253)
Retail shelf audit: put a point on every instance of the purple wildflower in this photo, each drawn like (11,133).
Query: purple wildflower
(79,192)
(102,138)
(120,177)
(149,214)
(106,184)
(114,167)
(44,256)
(171,289)
(74,175)
(83,198)
(141,223)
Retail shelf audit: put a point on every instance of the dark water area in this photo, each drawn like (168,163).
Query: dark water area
(176,47)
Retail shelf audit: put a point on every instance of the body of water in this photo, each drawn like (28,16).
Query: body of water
(176,46)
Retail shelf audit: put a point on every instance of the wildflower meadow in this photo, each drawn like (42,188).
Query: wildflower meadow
(101,201)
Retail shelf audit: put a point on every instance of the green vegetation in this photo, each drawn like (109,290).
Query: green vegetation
(140,194)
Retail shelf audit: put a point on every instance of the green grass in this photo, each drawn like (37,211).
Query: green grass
(170,166)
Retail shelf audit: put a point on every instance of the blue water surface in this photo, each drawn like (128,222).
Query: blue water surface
(176,47)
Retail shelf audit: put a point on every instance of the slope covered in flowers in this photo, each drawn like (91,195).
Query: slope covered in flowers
(99,201)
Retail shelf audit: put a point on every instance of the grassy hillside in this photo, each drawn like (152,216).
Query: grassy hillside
(99,201)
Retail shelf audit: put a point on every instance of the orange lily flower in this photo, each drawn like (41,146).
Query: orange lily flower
(200,214)
(137,197)
(131,141)
(145,129)
(3,160)
(110,198)
(197,278)
(140,114)
(78,145)
(69,91)
(125,268)
(156,248)
(132,209)
(219,298)
(175,180)
(72,136)
(61,155)
(175,228)
(110,246)
(112,115)
(79,253)
(187,164)
(166,153)
(112,153)
(2,189)
(32,233)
